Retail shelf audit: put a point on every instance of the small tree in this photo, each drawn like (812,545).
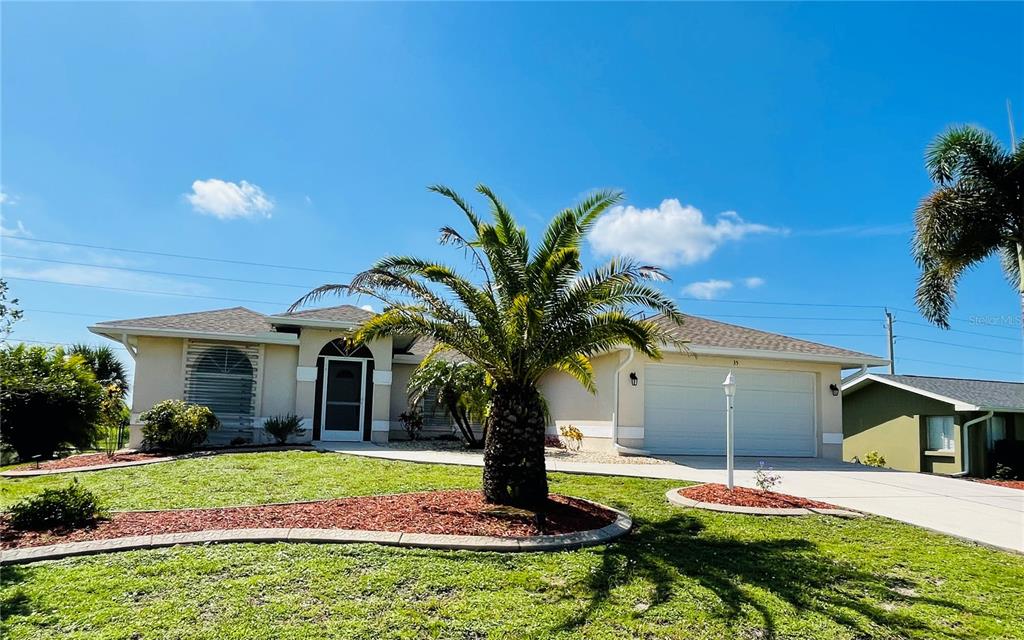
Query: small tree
(105,365)
(49,400)
(9,311)
(462,391)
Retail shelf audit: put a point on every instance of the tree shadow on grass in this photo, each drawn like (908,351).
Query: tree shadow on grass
(15,602)
(750,574)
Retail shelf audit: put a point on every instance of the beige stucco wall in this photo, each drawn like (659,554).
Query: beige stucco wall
(278,392)
(158,374)
(571,403)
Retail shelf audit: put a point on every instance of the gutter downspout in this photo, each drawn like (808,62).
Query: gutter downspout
(621,450)
(965,450)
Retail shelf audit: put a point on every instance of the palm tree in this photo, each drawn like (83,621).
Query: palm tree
(975,211)
(104,365)
(525,313)
(462,391)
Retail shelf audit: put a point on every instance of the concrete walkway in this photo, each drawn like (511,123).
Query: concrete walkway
(973,511)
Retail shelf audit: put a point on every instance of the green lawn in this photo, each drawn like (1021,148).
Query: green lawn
(680,574)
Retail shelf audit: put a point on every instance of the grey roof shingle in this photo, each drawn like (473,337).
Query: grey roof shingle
(981,393)
(340,313)
(712,333)
(237,320)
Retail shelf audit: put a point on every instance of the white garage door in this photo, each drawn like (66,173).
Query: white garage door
(684,411)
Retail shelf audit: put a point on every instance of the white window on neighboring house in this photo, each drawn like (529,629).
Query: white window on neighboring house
(996,430)
(940,433)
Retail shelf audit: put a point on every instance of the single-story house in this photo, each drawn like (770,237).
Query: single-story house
(934,425)
(247,366)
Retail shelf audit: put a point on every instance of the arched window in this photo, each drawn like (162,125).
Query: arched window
(223,378)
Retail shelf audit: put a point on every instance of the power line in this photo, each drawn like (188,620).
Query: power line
(786,304)
(66,313)
(175,255)
(146,291)
(847,335)
(51,343)
(822,318)
(1016,339)
(164,273)
(962,346)
(961,366)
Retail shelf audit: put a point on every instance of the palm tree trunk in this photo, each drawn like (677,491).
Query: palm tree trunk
(1020,281)
(514,472)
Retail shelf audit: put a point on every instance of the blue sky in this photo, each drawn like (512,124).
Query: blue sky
(769,153)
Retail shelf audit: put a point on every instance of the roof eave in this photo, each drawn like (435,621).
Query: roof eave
(845,361)
(958,405)
(114,332)
(312,322)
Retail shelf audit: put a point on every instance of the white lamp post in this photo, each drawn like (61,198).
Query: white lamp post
(730,390)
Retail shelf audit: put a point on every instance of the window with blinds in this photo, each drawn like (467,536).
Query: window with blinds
(223,377)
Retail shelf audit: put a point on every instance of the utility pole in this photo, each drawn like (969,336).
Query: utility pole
(892,352)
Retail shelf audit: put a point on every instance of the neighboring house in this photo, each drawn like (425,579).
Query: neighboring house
(248,366)
(921,423)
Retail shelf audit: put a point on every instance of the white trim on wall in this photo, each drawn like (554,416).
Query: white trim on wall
(305,374)
(378,426)
(831,438)
(382,377)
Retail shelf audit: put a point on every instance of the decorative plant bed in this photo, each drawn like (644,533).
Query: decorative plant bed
(437,519)
(1011,484)
(87,460)
(717,497)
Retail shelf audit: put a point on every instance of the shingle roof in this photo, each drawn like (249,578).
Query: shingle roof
(711,333)
(237,320)
(340,313)
(981,393)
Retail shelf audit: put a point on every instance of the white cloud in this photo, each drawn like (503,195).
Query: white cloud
(18,229)
(753,282)
(5,199)
(669,235)
(707,289)
(367,307)
(229,200)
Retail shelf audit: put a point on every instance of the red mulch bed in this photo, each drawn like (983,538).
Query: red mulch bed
(444,512)
(1013,484)
(743,497)
(87,460)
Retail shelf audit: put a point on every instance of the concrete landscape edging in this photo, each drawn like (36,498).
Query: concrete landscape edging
(559,542)
(672,495)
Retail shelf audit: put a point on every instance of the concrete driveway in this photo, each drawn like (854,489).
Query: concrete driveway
(973,511)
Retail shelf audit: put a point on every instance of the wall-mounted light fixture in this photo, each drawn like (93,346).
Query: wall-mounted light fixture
(834,389)
(633,380)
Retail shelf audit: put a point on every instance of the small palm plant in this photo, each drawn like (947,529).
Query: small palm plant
(976,210)
(526,311)
(462,391)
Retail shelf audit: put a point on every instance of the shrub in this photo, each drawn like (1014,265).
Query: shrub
(68,508)
(173,425)
(49,401)
(554,442)
(766,478)
(283,426)
(873,459)
(1009,454)
(573,435)
(412,422)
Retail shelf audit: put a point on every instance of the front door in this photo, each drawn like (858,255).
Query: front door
(341,417)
